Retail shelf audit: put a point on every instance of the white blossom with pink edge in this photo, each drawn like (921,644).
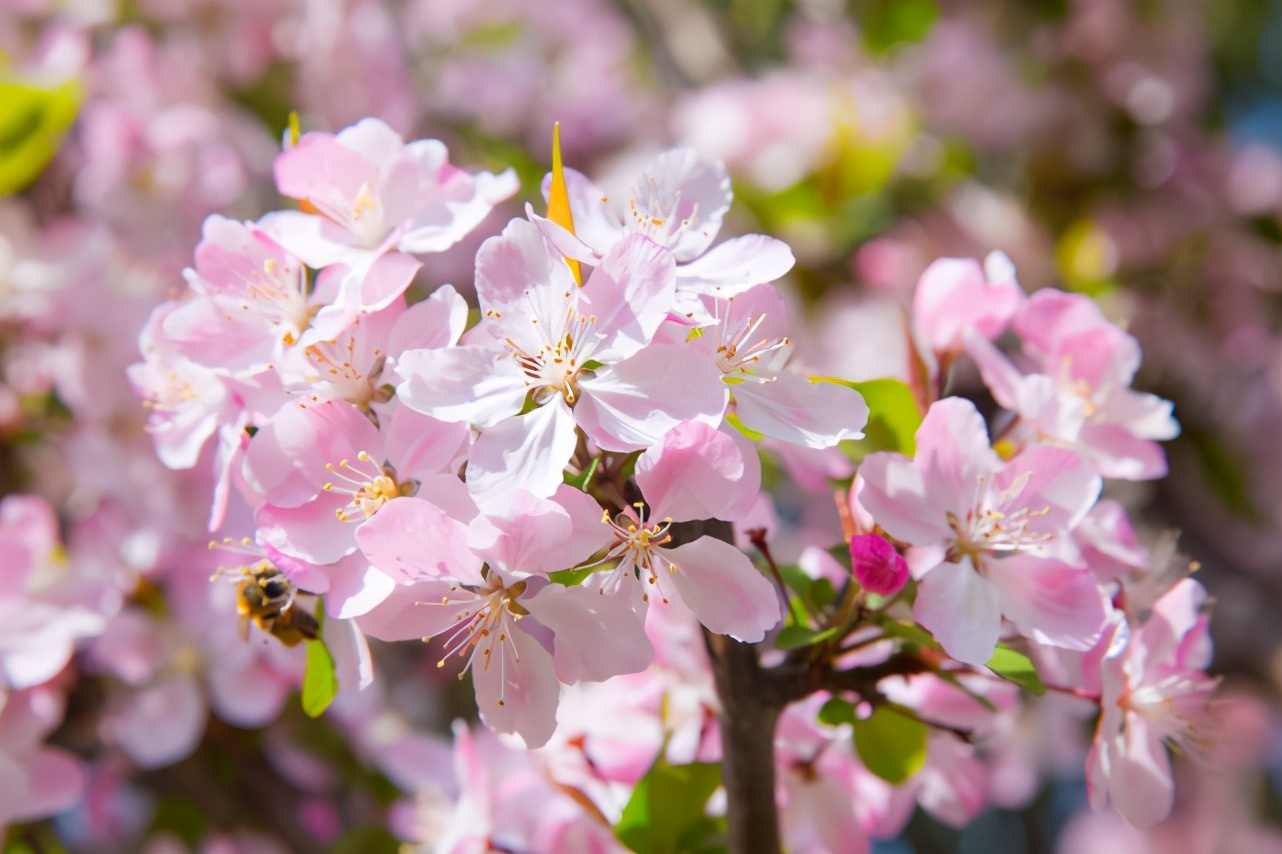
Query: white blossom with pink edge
(581,354)
(695,473)
(1079,394)
(751,347)
(374,194)
(678,201)
(35,780)
(1155,693)
(988,538)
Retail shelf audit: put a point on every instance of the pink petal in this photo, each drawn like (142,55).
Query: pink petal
(529,452)
(793,409)
(411,539)
(630,294)
(723,589)
(513,262)
(355,588)
(735,265)
(53,781)
(520,695)
(247,696)
(953,295)
(1049,601)
(631,405)
(418,446)
(961,609)
(386,279)
(1141,784)
(696,472)
(895,494)
(460,384)
(436,322)
(538,535)
(597,636)
(160,725)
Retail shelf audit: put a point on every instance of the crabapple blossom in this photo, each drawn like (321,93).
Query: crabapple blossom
(372,193)
(1079,397)
(988,538)
(955,294)
(678,202)
(1155,693)
(695,473)
(583,355)
(752,349)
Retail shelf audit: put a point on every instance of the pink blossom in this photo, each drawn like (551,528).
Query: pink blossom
(988,539)
(1080,396)
(1154,693)
(520,635)
(374,194)
(582,354)
(35,780)
(753,351)
(955,294)
(695,473)
(332,469)
(678,201)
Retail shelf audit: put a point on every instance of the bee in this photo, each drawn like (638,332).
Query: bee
(265,596)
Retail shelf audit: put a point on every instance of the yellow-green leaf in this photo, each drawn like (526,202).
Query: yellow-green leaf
(891,745)
(320,682)
(1015,667)
(33,121)
(893,415)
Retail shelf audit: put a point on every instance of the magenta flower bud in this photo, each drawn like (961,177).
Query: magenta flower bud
(877,566)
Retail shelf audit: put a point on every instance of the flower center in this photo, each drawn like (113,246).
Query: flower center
(370,486)
(485,627)
(639,550)
(984,528)
(738,355)
(554,365)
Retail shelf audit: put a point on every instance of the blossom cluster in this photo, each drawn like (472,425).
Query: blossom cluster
(516,468)
(516,485)
(343,415)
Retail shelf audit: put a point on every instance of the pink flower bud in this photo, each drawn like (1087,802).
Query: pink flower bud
(877,566)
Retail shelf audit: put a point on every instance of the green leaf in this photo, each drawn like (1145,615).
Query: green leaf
(581,480)
(320,682)
(893,417)
(667,811)
(883,24)
(821,592)
(33,121)
(795,637)
(573,577)
(1015,667)
(891,745)
(366,839)
(909,632)
(836,712)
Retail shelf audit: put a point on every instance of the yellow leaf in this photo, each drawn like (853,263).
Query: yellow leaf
(559,198)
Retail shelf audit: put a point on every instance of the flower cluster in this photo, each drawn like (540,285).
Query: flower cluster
(618,338)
